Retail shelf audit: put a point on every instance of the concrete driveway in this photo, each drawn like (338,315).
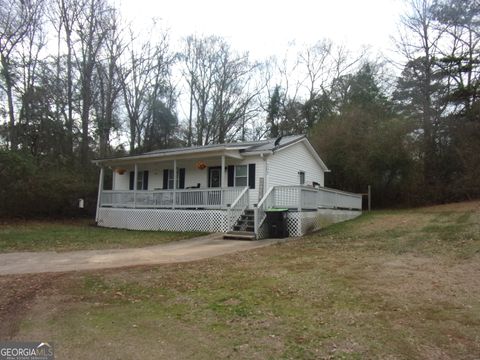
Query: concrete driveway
(174,252)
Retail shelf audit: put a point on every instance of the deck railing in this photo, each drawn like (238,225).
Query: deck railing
(306,198)
(212,198)
(237,208)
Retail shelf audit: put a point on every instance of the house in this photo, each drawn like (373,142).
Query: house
(221,188)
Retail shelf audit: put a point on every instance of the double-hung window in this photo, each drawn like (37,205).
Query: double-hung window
(241,175)
(142,180)
(301,174)
(170,178)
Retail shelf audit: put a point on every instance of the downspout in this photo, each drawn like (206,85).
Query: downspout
(265,168)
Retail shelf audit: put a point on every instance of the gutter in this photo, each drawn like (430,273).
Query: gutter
(163,155)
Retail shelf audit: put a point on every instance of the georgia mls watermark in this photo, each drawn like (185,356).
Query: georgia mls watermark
(26,350)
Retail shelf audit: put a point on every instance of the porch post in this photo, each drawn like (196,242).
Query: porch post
(222,173)
(174,183)
(135,177)
(100,188)
(222,181)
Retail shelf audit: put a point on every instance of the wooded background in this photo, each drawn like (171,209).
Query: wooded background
(77,83)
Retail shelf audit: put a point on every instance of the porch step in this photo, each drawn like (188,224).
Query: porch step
(244,225)
(248,228)
(239,235)
(247,217)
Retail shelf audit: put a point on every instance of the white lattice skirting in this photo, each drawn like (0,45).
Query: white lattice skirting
(162,219)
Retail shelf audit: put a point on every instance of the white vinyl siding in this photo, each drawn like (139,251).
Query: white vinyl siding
(121,182)
(285,164)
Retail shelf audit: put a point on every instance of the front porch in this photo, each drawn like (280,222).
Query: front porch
(221,210)
(220,188)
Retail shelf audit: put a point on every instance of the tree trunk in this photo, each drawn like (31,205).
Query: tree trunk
(86,102)
(190,118)
(69,122)
(133,135)
(12,138)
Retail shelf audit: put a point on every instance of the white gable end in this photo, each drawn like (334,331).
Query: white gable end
(284,165)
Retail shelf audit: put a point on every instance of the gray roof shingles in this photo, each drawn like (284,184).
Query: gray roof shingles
(249,146)
(245,147)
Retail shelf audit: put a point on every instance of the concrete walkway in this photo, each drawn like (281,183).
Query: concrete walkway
(173,252)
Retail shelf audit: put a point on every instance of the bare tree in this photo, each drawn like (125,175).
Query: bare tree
(322,64)
(145,78)
(222,87)
(108,84)
(16,20)
(29,61)
(66,16)
(92,29)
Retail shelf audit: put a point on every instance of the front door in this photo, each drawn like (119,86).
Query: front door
(214,181)
(214,177)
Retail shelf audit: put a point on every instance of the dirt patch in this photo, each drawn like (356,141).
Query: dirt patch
(17,296)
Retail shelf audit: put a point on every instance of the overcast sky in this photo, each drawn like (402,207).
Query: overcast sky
(265,27)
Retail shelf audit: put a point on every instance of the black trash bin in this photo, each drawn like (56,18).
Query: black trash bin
(277,222)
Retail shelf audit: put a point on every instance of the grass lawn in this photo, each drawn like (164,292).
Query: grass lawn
(388,285)
(77,235)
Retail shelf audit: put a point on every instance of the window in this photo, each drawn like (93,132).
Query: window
(302,177)
(170,178)
(142,180)
(241,176)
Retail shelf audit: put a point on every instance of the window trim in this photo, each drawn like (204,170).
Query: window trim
(140,178)
(235,175)
(301,175)
(171,179)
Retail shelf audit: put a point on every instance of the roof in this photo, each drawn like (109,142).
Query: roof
(248,147)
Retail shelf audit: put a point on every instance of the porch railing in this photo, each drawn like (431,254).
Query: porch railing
(237,208)
(212,198)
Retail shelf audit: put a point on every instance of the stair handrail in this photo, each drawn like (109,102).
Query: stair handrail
(239,197)
(259,211)
(234,207)
(264,198)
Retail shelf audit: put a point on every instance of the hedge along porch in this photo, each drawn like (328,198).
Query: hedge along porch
(213,187)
